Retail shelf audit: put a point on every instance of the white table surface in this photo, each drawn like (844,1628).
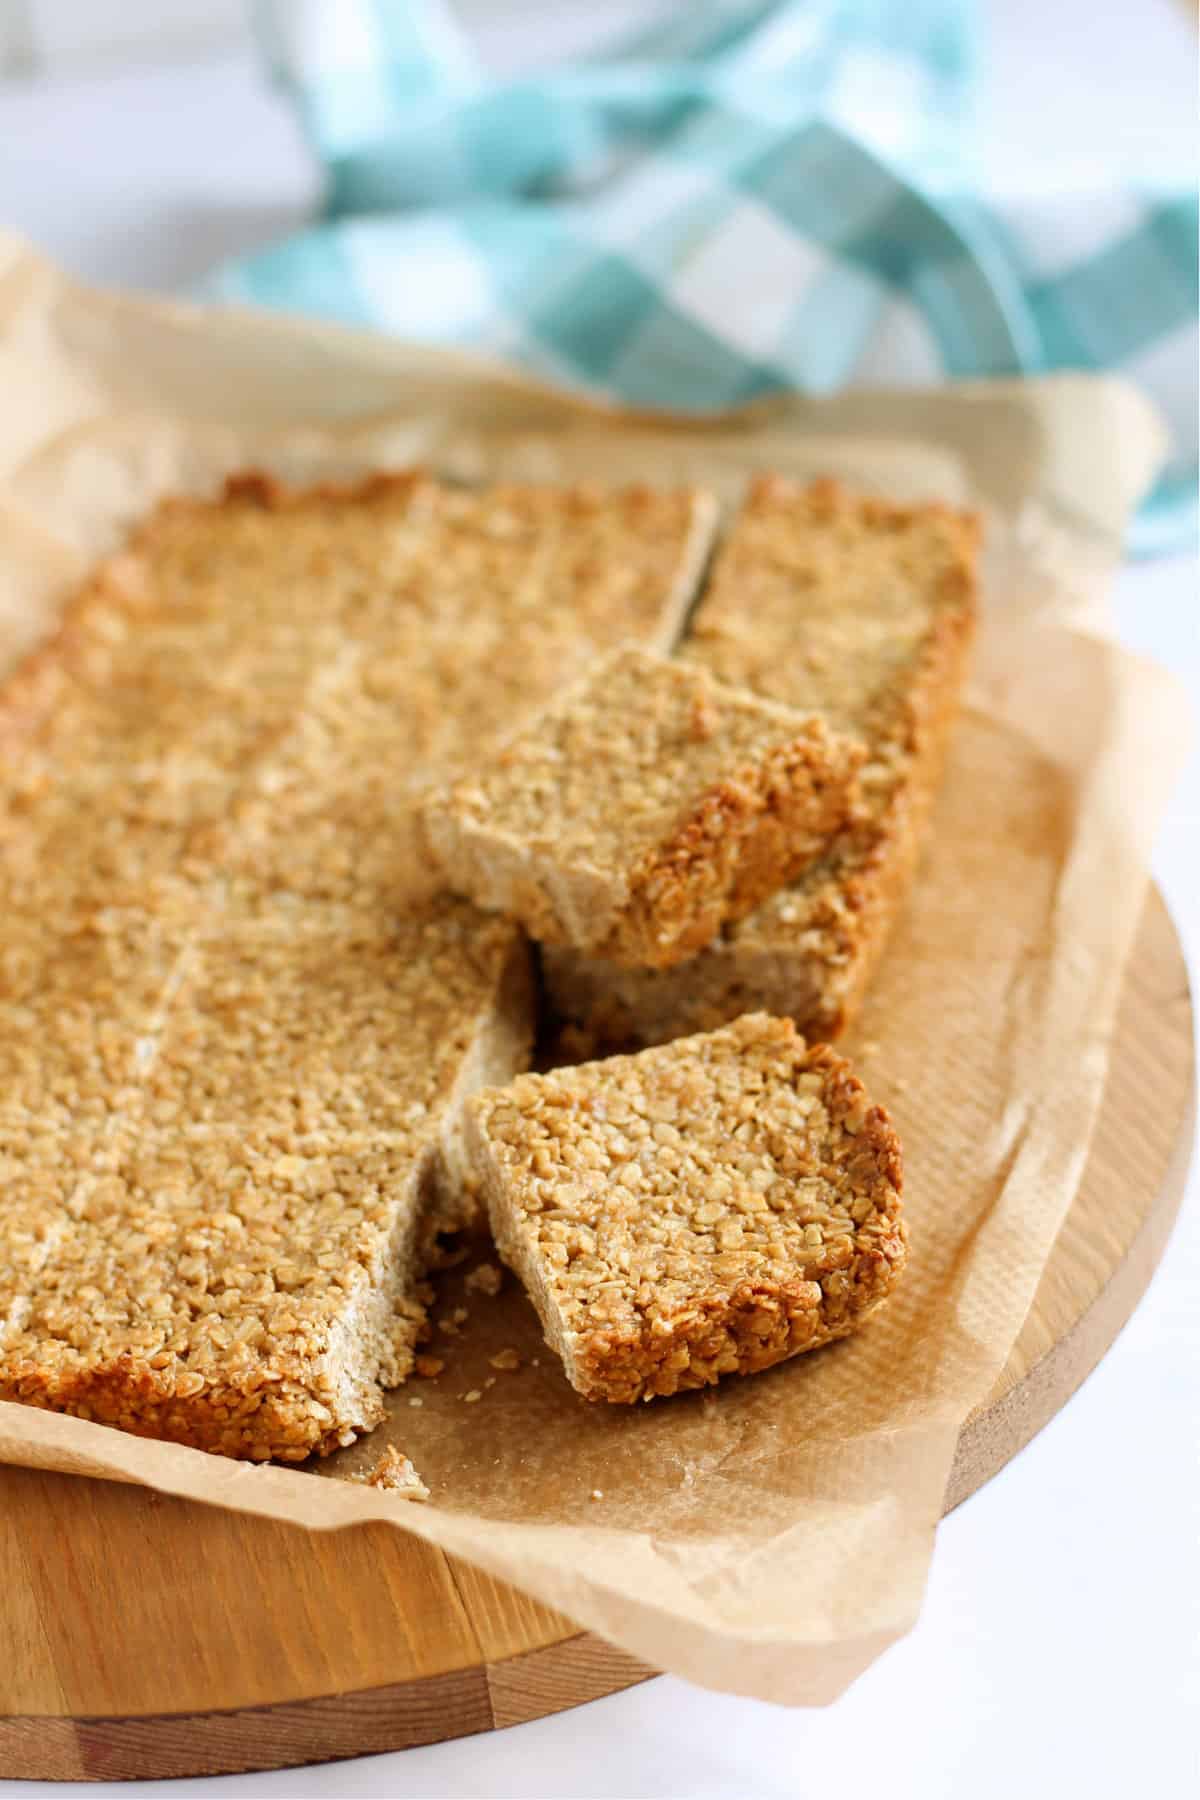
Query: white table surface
(1059,1647)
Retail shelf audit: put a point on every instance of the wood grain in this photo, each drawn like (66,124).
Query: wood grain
(145,1636)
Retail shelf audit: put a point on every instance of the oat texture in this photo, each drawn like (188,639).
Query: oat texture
(227,1252)
(236,1022)
(709,1207)
(863,611)
(646,807)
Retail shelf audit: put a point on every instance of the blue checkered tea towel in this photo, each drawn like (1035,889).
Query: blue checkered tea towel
(756,195)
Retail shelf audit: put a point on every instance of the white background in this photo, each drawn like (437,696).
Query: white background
(1059,1648)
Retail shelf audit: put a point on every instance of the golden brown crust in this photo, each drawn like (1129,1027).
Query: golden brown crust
(643,810)
(819,597)
(283,1420)
(741,840)
(710,1207)
(255,487)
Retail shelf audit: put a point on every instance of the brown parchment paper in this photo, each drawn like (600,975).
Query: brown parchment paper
(772,1536)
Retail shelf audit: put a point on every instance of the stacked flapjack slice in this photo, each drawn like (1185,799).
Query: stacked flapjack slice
(861,612)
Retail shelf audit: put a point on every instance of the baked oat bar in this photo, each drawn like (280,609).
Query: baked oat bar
(863,611)
(706,1208)
(235,1029)
(224,1244)
(643,809)
(251,697)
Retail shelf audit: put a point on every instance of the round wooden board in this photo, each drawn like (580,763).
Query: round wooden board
(146,1636)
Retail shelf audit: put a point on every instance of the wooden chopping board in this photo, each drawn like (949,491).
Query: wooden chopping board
(146,1636)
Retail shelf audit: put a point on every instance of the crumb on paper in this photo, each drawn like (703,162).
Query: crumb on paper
(471,1395)
(416,1400)
(505,1359)
(453,1323)
(597,1493)
(428,1366)
(395,1474)
(486,1278)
